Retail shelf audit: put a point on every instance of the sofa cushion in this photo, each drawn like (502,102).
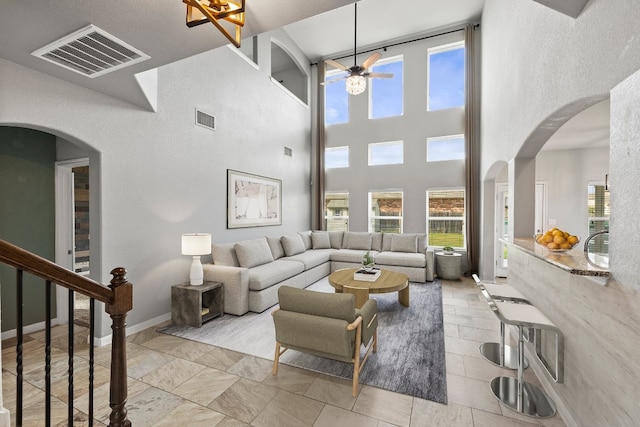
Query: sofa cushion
(267,275)
(312,258)
(357,241)
(224,254)
(351,255)
(376,241)
(335,237)
(276,247)
(404,243)
(306,239)
(421,246)
(292,244)
(402,259)
(252,253)
(320,240)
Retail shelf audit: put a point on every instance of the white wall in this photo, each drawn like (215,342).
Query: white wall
(413,177)
(539,69)
(160,174)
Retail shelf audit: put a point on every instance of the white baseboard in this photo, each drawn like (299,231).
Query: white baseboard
(5,418)
(106,340)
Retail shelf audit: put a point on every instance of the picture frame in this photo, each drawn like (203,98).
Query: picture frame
(253,200)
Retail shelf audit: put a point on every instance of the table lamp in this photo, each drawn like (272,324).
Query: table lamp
(196,244)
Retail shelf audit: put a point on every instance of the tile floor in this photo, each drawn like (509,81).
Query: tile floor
(173,381)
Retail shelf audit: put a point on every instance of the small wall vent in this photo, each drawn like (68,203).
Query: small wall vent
(288,152)
(205,120)
(91,52)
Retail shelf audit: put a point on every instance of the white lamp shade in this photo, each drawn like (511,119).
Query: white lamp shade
(196,244)
(356,84)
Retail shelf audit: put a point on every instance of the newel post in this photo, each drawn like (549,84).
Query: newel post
(121,304)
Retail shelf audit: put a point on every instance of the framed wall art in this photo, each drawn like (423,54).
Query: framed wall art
(253,200)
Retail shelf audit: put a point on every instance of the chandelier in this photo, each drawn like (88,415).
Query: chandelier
(217,11)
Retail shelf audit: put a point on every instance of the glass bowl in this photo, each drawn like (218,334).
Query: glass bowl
(554,249)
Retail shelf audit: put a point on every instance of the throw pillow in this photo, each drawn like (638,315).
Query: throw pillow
(359,241)
(404,243)
(335,237)
(306,238)
(292,244)
(320,240)
(276,247)
(224,254)
(253,253)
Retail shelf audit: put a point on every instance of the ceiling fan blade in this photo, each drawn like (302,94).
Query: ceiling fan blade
(333,80)
(371,60)
(379,75)
(336,64)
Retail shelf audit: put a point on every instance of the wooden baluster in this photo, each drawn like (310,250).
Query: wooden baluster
(122,303)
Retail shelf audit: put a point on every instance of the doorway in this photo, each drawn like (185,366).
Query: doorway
(502,229)
(72,232)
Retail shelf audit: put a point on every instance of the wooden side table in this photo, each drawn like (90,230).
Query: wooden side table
(448,266)
(194,305)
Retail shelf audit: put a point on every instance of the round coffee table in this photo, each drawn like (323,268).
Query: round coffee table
(389,281)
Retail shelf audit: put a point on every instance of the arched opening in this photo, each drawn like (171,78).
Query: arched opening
(286,71)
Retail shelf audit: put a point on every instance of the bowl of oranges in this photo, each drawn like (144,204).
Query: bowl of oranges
(556,240)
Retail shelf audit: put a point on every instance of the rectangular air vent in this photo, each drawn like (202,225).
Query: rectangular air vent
(205,120)
(91,52)
(288,152)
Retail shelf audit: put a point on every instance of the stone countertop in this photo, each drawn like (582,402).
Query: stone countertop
(574,261)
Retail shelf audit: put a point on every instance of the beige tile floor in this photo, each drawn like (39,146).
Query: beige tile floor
(173,381)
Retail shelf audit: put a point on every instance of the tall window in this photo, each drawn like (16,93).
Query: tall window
(386,153)
(445,218)
(385,211)
(386,94)
(336,157)
(336,99)
(445,148)
(598,204)
(336,208)
(446,77)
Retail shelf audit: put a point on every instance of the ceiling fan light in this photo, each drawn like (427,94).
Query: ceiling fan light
(356,85)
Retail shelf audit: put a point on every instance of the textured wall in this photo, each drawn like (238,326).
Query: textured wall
(625,176)
(160,174)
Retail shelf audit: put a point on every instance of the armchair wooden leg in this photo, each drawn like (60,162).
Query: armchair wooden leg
(375,340)
(276,359)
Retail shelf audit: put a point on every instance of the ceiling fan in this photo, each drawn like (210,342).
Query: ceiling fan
(357,74)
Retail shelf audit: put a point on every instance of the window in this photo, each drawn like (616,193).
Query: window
(386,153)
(336,157)
(446,77)
(336,208)
(445,148)
(445,218)
(385,211)
(598,204)
(336,99)
(386,94)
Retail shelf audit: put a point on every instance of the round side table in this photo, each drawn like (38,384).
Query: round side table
(448,266)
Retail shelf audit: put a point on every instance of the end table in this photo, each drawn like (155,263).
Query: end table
(194,305)
(448,266)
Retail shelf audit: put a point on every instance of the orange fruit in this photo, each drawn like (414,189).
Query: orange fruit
(547,238)
(558,239)
(572,240)
(557,233)
(565,245)
(552,245)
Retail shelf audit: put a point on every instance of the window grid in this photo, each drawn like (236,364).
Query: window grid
(445,218)
(386,153)
(336,208)
(385,211)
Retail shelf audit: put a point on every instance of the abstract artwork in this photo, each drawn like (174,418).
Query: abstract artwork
(253,200)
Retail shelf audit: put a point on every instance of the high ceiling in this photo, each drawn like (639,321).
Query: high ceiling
(321,28)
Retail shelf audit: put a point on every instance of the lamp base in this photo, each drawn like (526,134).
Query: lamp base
(196,275)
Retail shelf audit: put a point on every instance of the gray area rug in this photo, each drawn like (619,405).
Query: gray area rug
(410,357)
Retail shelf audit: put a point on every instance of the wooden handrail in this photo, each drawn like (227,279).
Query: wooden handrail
(26,261)
(118,300)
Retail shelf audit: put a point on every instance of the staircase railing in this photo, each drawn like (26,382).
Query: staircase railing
(118,300)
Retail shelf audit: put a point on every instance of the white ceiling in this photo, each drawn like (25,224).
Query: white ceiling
(321,28)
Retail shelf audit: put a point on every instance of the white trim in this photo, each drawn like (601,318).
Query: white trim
(5,417)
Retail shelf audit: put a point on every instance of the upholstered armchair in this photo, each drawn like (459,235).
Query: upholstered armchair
(326,325)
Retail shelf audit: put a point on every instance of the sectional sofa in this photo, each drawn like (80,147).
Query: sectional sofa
(253,270)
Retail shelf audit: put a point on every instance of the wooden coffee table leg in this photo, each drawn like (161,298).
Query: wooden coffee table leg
(361,294)
(403,296)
